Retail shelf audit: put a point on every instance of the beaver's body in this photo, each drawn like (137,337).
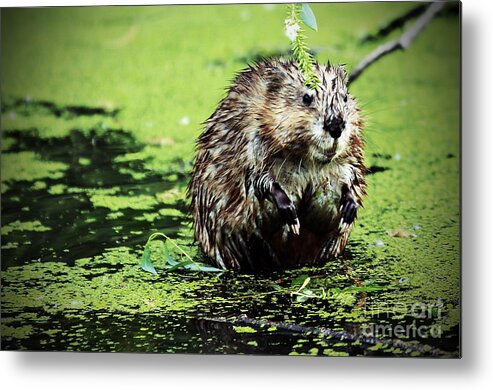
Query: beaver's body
(279,172)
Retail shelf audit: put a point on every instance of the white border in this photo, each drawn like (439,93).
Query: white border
(21,370)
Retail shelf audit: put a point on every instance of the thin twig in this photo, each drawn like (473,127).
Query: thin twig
(401,43)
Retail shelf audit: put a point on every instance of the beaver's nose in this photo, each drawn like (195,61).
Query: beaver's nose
(335,126)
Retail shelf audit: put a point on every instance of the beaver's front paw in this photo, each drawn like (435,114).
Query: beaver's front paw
(349,207)
(286,208)
(290,218)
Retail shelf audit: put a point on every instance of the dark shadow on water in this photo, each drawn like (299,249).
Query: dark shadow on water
(375,169)
(28,106)
(77,228)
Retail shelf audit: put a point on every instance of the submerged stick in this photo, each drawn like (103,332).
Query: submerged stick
(406,347)
(401,43)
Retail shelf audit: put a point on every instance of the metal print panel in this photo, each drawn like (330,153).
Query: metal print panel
(232,179)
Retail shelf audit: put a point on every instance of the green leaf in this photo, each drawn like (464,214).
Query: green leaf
(170,263)
(167,256)
(145,262)
(308,16)
(185,264)
(206,268)
(299,280)
(181,264)
(305,283)
(307,294)
(194,266)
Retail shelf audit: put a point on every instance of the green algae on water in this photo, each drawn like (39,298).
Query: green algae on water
(28,166)
(244,329)
(33,226)
(119,202)
(93,284)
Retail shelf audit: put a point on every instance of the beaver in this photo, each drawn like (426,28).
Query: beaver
(279,172)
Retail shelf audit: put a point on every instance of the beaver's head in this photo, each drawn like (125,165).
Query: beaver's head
(303,123)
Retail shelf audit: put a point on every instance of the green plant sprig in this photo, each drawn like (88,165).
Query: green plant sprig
(170,263)
(298,13)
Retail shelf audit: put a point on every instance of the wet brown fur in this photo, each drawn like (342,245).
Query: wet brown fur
(261,128)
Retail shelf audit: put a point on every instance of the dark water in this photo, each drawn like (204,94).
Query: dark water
(77,229)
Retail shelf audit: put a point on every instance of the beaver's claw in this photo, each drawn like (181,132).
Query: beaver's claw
(296,227)
(288,215)
(348,209)
(286,208)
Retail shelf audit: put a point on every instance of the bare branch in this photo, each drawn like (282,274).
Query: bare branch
(401,43)
(395,23)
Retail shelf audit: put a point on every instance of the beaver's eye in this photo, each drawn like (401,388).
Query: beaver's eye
(307,99)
